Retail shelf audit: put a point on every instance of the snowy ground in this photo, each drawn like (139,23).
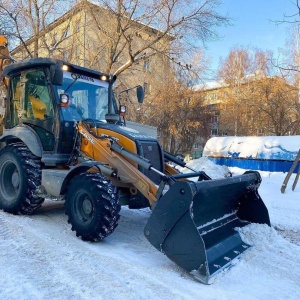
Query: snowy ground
(41,258)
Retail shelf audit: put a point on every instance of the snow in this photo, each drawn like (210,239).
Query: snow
(212,85)
(209,167)
(264,147)
(41,258)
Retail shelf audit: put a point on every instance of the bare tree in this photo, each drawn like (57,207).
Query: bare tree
(27,20)
(291,18)
(142,29)
(277,110)
(259,100)
(234,70)
(117,35)
(290,63)
(178,113)
(235,67)
(123,36)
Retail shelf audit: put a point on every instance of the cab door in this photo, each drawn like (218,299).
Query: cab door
(31,104)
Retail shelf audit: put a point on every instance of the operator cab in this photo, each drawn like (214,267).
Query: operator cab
(34,103)
(47,97)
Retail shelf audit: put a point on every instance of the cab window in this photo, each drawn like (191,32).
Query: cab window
(37,101)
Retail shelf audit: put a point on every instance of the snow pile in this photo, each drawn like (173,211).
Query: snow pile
(254,147)
(270,258)
(210,168)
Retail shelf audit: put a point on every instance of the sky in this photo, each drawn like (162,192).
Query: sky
(252,24)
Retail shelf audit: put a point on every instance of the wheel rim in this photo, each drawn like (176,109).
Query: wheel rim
(10,180)
(84,208)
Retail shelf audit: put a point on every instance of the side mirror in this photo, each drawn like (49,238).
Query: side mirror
(140,94)
(56,74)
(122,110)
(64,100)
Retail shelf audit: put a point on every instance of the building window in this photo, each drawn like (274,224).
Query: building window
(77,27)
(66,55)
(260,131)
(146,65)
(147,88)
(66,32)
(213,96)
(212,107)
(54,39)
(196,146)
(214,132)
(215,118)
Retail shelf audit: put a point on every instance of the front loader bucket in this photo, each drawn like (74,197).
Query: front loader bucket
(194,222)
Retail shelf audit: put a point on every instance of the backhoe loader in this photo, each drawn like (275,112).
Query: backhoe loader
(64,138)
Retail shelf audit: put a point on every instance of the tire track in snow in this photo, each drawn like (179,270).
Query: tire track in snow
(7,228)
(292,236)
(70,267)
(41,258)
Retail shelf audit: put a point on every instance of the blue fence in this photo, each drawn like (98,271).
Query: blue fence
(255,164)
(268,153)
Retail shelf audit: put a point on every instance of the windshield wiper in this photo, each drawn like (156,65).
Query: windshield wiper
(75,79)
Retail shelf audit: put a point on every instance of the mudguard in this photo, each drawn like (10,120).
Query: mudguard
(194,222)
(27,136)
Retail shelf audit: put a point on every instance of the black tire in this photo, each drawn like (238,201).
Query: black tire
(92,206)
(20,176)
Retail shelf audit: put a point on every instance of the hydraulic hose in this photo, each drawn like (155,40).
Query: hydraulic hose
(143,162)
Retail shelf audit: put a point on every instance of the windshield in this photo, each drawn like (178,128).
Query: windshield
(88,97)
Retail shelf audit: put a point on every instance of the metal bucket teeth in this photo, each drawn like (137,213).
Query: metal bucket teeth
(194,223)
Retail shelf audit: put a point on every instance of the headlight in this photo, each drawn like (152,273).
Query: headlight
(122,108)
(104,78)
(65,68)
(64,99)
